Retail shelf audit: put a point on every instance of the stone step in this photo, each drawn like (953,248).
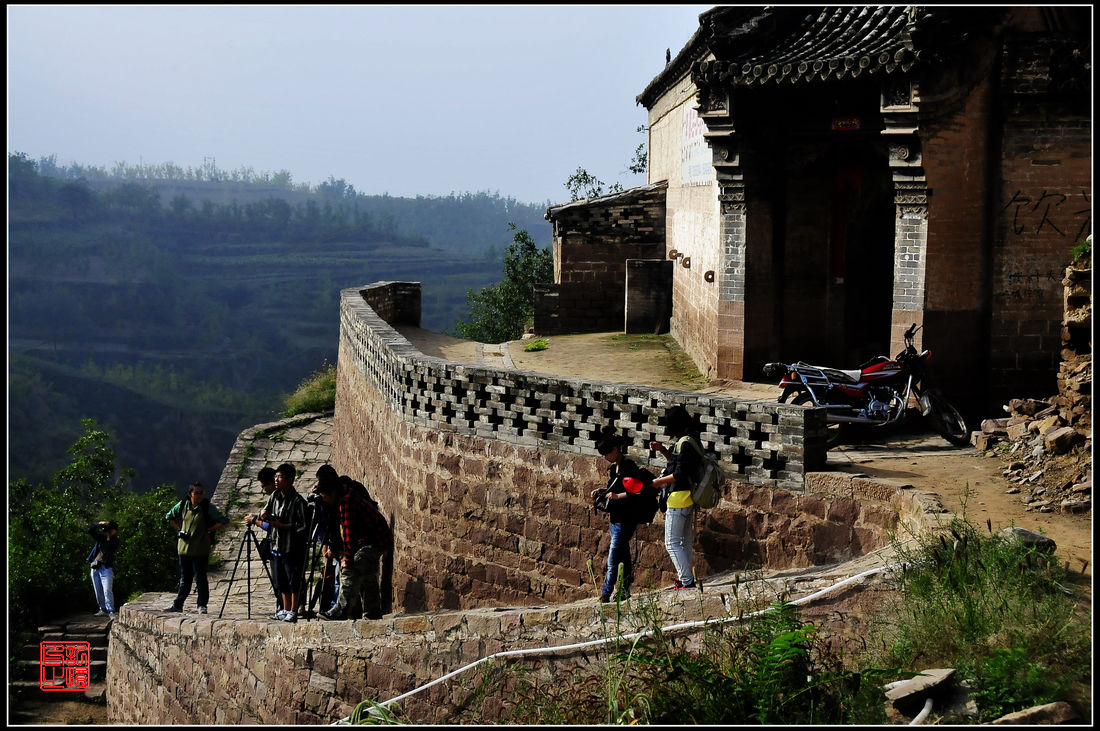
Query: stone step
(97,639)
(32,690)
(34,652)
(30,670)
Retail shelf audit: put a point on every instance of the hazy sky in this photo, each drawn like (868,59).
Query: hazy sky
(406,100)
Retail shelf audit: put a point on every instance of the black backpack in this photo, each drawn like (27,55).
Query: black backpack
(646,502)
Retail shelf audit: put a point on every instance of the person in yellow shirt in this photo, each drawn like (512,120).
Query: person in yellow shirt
(677,478)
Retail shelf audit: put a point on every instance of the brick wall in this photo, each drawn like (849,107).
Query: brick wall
(593,239)
(1043,209)
(486,474)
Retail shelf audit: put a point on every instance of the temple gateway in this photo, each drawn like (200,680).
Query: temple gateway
(820,178)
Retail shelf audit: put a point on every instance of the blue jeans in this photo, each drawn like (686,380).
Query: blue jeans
(103,579)
(619,553)
(679,536)
(193,568)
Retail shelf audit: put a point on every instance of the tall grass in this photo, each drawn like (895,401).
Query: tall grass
(998,610)
(1001,612)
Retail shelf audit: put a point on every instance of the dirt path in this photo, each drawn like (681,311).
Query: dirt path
(970,484)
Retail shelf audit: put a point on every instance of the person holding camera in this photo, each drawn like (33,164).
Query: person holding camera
(266,478)
(619,501)
(676,481)
(102,560)
(195,519)
(365,537)
(285,513)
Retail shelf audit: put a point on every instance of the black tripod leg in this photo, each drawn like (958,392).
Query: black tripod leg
(267,571)
(309,557)
(233,574)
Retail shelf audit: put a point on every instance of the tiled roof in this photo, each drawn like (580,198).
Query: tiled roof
(753,46)
(807,44)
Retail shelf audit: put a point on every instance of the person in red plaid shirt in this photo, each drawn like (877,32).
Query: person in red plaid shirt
(365,537)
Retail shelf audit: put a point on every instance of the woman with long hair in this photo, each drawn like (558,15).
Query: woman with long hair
(683,465)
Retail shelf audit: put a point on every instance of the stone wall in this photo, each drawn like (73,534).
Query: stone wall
(1043,209)
(486,474)
(201,669)
(593,239)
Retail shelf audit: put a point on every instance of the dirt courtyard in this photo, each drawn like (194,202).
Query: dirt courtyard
(969,482)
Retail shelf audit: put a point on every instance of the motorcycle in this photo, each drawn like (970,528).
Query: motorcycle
(876,394)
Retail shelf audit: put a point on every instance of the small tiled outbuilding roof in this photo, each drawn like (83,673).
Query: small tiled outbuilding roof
(751,46)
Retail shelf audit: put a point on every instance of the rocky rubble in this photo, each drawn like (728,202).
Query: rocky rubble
(1047,444)
(936,697)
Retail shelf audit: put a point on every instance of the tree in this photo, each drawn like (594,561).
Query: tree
(48,533)
(502,312)
(583,184)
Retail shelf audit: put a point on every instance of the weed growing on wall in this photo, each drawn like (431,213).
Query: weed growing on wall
(1000,611)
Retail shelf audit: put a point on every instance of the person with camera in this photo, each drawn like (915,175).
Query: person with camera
(619,500)
(102,560)
(365,537)
(285,513)
(195,520)
(266,478)
(676,481)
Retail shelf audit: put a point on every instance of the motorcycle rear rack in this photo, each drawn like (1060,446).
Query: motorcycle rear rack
(811,376)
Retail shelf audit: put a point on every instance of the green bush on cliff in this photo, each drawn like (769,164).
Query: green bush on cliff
(315,394)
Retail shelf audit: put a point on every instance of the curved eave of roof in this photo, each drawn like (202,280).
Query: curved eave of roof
(810,44)
(788,44)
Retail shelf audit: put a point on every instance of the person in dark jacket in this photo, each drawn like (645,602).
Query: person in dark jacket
(102,560)
(621,510)
(365,537)
(266,478)
(286,514)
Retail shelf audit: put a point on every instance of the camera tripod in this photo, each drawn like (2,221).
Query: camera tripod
(309,564)
(248,533)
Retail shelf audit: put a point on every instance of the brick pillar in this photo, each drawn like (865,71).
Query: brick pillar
(910,246)
(899,108)
(731,286)
(725,146)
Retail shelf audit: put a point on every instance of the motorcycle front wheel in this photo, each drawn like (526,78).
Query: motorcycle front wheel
(947,420)
(802,398)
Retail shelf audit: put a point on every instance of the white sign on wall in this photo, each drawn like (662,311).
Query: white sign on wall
(695,160)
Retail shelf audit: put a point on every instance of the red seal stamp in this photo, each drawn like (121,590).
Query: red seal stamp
(65,665)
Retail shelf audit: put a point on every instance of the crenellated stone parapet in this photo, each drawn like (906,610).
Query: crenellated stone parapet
(485,473)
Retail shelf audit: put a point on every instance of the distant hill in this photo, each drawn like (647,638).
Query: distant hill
(176,312)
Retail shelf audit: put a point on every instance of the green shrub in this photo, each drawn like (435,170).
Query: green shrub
(1082,249)
(536,345)
(317,393)
(994,608)
(1009,681)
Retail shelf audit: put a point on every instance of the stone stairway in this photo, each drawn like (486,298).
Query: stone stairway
(25,694)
